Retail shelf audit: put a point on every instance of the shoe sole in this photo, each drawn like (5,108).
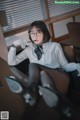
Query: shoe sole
(13,85)
(50,97)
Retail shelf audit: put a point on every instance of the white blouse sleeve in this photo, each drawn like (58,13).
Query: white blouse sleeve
(14,59)
(68,67)
(61,57)
(72,66)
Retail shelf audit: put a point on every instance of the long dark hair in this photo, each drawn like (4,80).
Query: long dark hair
(42,26)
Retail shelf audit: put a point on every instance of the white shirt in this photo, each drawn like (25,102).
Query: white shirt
(52,57)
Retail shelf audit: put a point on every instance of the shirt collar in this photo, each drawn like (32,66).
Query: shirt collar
(45,45)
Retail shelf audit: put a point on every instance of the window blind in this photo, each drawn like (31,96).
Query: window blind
(57,9)
(21,12)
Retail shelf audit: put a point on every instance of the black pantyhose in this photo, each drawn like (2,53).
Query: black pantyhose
(57,76)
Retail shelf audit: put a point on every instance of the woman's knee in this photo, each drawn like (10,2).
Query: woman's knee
(60,82)
(42,73)
(46,80)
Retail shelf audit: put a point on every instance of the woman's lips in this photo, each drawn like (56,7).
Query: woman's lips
(35,40)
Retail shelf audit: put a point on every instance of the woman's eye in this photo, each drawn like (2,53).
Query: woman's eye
(39,32)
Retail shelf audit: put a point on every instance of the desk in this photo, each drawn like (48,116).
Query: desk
(9,101)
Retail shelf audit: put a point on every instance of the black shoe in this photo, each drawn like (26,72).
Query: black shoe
(68,114)
(66,111)
(29,98)
(66,108)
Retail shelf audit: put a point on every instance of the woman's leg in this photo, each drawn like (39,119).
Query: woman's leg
(34,75)
(46,80)
(47,90)
(52,97)
(58,82)
(20,77)
(59,78)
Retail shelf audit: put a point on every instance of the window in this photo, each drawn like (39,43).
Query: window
(21,12)
(57,9)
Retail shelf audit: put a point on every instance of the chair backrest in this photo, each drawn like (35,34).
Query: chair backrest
(74,30)
(69,52)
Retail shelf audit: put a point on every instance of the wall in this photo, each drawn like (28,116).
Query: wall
(60,28)
(3,49)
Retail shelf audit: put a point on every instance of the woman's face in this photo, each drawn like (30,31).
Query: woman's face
(36,35)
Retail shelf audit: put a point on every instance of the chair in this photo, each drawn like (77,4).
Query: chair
(71,48)
(74,38)
(69,52)
(74,30)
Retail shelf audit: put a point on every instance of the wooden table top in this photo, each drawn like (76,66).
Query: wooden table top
(9,101)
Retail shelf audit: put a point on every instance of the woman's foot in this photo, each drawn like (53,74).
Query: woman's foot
(50,97)
(29,95)
(13,85)
(53,99)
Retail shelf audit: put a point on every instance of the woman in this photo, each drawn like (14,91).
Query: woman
(45,56)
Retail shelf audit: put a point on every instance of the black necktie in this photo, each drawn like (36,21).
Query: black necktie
(39,51)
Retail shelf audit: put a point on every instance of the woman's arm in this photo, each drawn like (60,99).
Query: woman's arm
(72,66)
(68,67)
(61,57)
(14,59)
(11,56)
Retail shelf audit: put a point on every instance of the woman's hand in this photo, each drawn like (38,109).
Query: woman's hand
(20,42)
(72,66)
